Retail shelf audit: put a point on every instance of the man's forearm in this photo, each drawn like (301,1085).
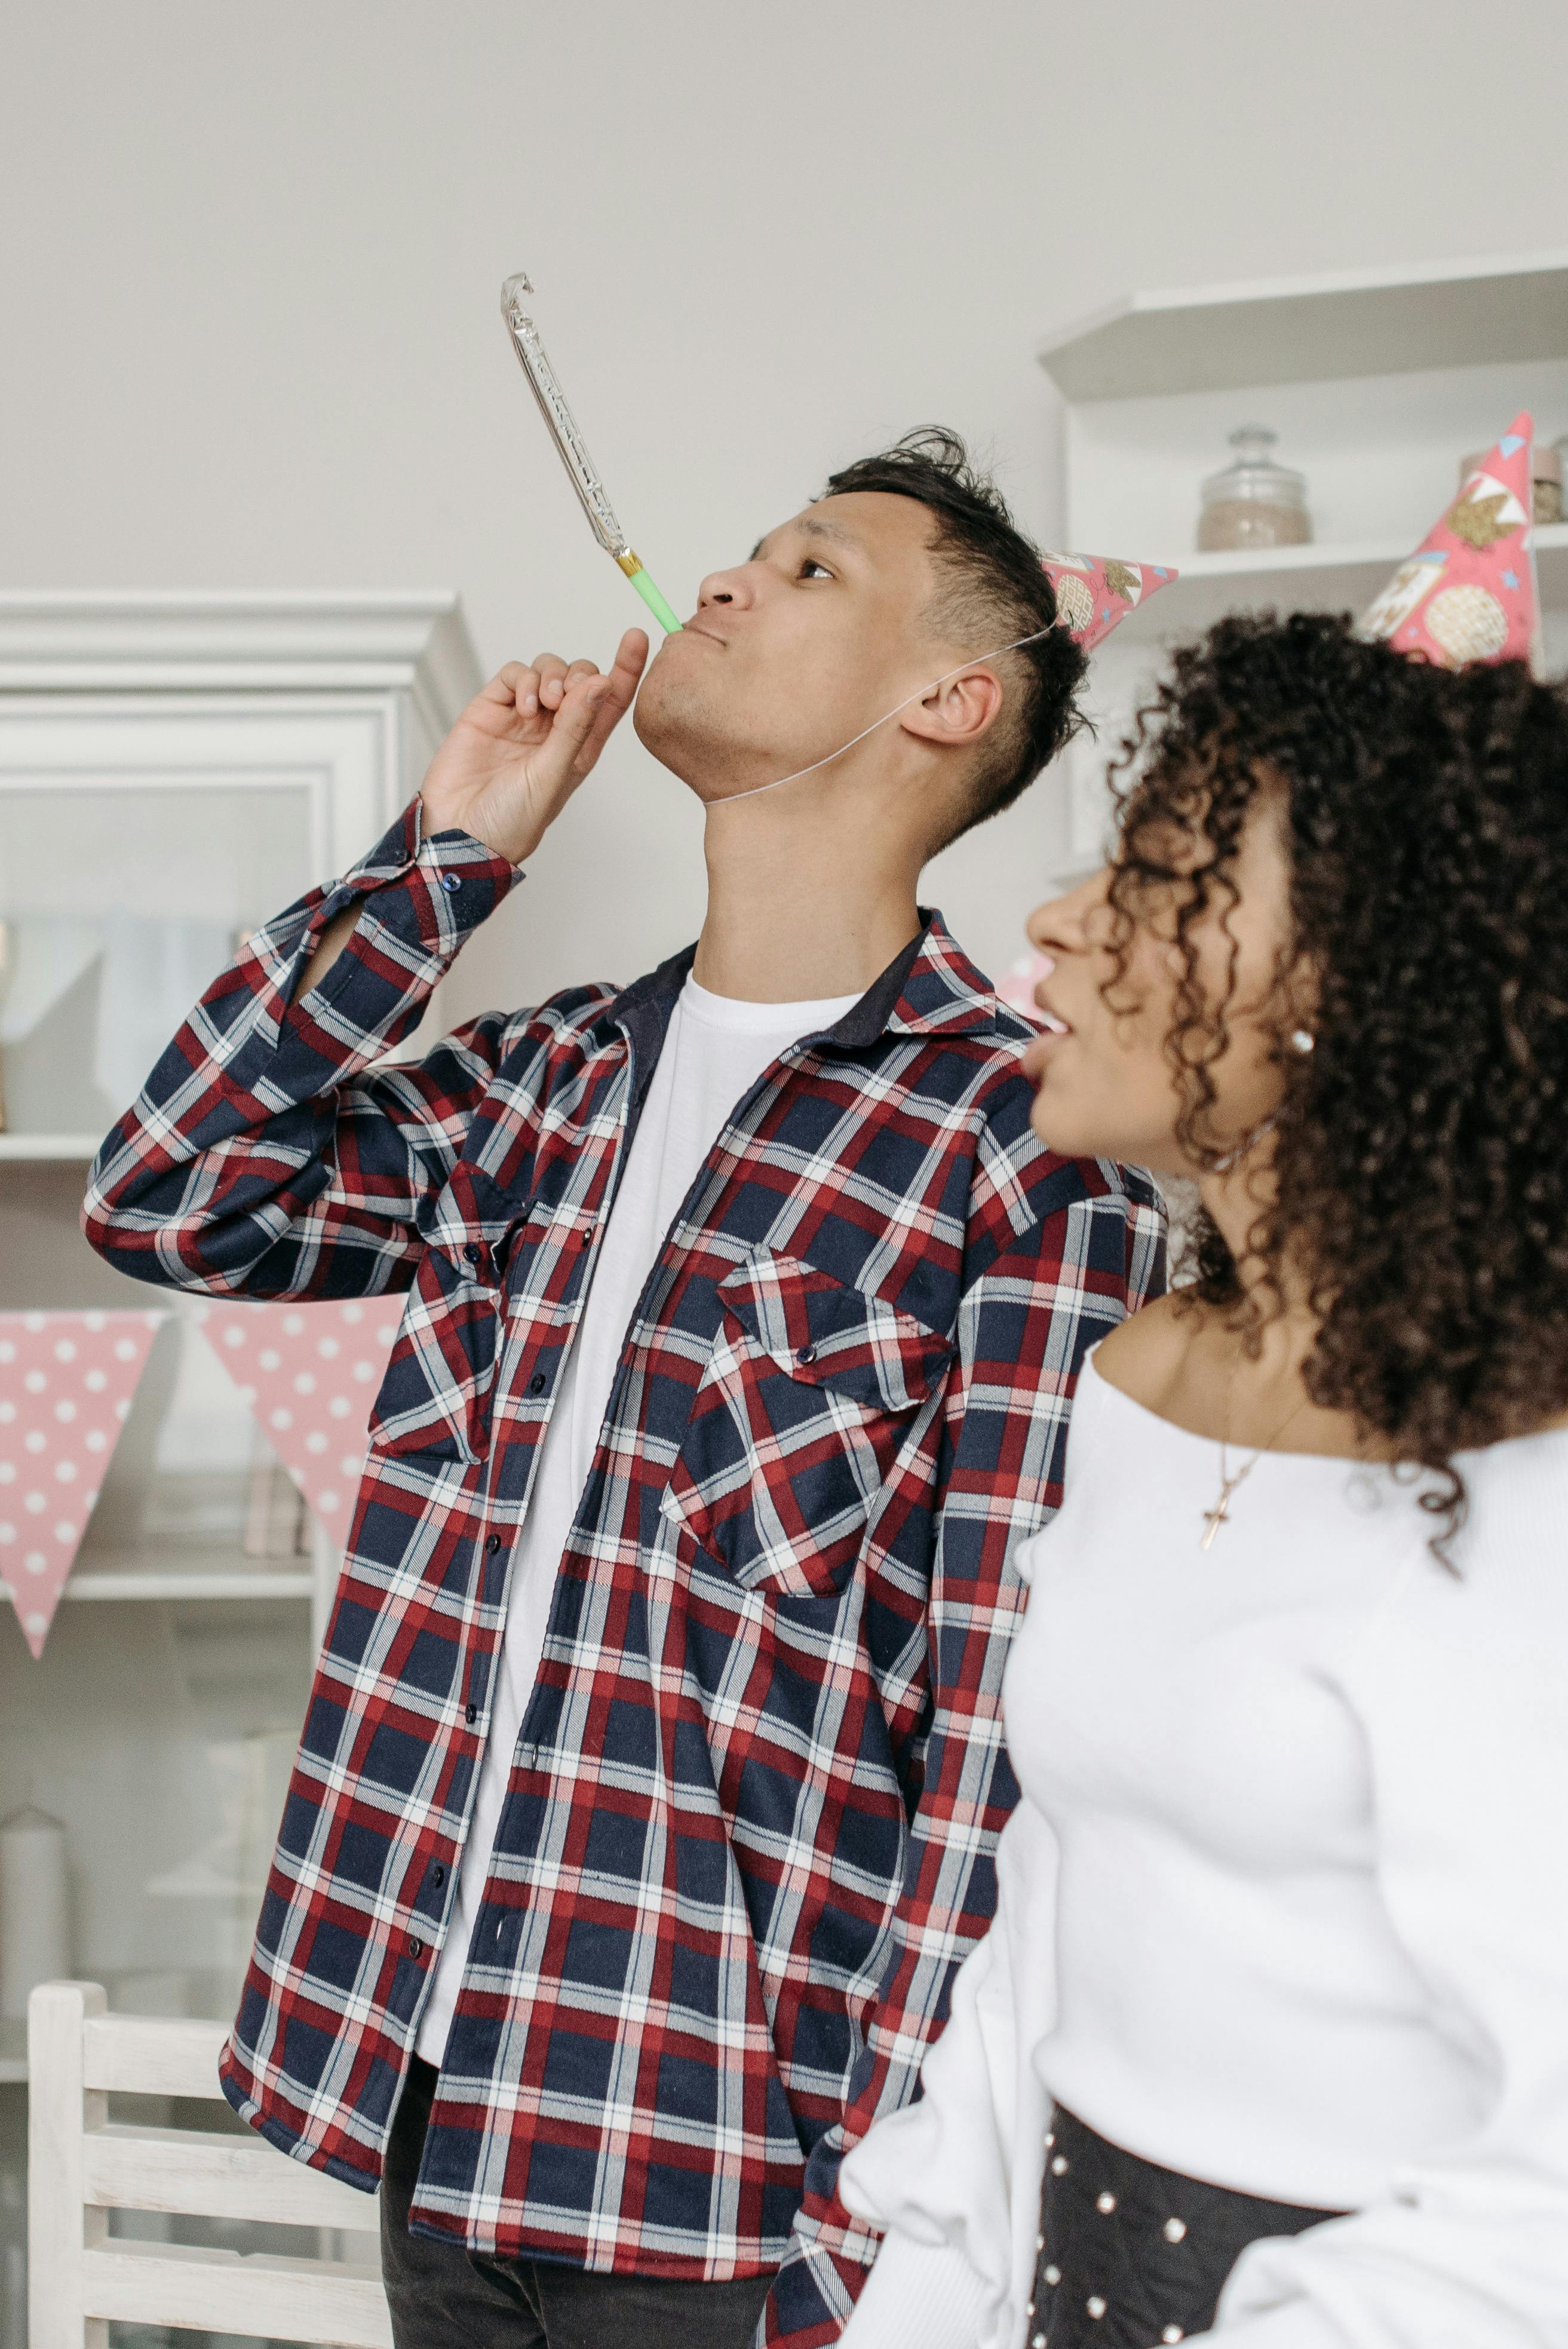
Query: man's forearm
(333,940)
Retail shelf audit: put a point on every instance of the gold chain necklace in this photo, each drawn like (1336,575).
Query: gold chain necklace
(1220,1515)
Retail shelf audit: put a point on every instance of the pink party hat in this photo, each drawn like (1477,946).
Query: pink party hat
(1095,593)
(1468,591)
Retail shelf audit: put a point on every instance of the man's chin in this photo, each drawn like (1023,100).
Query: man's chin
(659,722)
(677,728)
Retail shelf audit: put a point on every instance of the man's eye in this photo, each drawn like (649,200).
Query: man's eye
(811,565)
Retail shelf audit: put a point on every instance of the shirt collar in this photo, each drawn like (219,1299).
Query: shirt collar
(930,988)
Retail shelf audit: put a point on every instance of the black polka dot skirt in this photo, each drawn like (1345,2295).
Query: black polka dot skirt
(1131,2256)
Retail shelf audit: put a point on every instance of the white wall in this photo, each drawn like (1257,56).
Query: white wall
(249,331)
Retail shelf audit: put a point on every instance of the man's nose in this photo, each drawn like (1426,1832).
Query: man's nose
(733,587)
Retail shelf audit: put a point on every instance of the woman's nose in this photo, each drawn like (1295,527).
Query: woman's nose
(1062,923)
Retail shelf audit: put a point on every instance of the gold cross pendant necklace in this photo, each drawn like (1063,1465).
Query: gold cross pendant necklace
(1220,1515)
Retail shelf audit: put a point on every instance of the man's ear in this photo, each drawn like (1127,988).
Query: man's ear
(956,713)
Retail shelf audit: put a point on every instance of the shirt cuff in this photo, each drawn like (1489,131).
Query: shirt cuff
(918,2297)
(417,899)
(453,882)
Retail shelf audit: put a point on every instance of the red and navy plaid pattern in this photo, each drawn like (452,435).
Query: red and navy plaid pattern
(752,1809)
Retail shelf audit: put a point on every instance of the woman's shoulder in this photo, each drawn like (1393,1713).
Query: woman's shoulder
(1143,1354)
(1514,1518)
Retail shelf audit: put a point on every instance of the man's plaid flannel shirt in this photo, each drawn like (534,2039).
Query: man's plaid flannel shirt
(756,1794)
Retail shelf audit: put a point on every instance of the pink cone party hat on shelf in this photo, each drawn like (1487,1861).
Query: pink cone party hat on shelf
(1095,593)
(1468,591)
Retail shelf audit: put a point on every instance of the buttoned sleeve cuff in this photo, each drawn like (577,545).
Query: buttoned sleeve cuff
(267,1041)
(919,2296)
(418,898)
(451,883)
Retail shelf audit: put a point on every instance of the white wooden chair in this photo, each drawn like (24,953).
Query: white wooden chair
(81,2167)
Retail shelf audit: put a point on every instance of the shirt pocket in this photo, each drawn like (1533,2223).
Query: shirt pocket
(435,1397)
(807,1395)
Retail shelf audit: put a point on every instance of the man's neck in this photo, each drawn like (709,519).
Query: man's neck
(799,911)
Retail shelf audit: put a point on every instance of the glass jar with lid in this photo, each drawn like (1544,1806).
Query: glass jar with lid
(1253,501)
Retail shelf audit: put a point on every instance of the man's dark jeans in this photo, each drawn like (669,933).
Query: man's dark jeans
(443,2297)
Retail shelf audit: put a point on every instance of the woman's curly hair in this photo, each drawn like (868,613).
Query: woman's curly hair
(1421,1149)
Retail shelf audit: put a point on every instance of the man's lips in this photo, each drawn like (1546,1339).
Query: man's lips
(696,629)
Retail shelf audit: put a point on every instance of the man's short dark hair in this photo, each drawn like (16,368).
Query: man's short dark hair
(993,590)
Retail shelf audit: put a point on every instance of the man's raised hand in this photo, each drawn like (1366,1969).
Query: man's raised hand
(524,744)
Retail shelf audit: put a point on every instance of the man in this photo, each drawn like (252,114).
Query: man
(652,1774)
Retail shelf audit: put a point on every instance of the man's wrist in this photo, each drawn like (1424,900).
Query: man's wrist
(516,847)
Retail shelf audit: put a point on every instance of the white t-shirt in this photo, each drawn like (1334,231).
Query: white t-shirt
(716,1048)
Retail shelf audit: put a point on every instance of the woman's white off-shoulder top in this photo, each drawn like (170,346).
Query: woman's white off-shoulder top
(1284,1905)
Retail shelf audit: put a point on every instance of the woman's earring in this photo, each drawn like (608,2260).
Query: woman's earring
(1302,1040)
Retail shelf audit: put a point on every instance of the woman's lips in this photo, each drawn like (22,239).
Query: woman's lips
(1053,1018)
(1037,1053)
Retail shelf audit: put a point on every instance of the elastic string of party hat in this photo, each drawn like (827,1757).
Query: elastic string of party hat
(975,661)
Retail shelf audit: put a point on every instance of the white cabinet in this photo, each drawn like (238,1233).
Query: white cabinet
(1377,382)
(172,769)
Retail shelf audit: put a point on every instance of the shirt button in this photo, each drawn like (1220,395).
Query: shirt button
(536,1383)
(474,1252)
(470,1713)
(416,1946)
(492,1543)
(807,1354)
(451,883)
(438,1874)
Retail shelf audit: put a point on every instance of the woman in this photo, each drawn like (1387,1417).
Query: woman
(1281,1957)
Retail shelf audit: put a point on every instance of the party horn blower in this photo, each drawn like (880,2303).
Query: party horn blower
(573,449)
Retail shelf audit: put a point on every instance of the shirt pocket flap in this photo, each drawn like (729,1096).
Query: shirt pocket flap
(824,1333)
(435,1399)
(795,1424)
(474,1224)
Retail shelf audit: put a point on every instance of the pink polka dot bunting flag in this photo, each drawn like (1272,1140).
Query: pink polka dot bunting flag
(310,1375)
(67,1381)
(1468,591)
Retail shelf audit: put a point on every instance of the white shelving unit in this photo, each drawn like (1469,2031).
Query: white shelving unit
(71,1149)
(195,761)
(1378,382)
(118,1580)
(1351,322)
(1316,578)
